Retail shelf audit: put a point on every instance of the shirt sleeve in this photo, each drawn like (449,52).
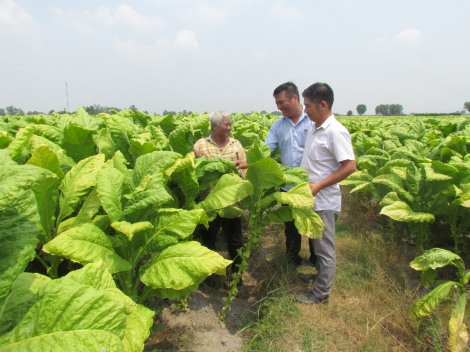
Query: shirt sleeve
(271,141)
(342,146)
(241,151)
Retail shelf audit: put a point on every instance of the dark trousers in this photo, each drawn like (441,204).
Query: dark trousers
(232,230)
(293,244)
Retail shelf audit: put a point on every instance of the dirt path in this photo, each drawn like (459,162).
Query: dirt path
(198,328)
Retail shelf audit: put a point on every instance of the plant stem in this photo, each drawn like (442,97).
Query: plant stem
(40,260)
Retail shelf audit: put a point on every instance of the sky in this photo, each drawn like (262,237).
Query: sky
(230,55)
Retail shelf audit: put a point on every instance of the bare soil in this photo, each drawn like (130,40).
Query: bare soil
(198,327)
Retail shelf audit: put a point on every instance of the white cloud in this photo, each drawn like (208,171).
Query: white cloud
(12,14)
(286,11)
(185,42)
(260,54)
(207,13)
(405,38)
(408,34)
(16,24)
(126,15)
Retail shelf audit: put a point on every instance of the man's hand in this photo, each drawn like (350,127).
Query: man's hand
(241,164)
(315,188)
(198,153)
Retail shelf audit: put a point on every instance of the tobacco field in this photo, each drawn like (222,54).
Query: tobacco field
(98,213)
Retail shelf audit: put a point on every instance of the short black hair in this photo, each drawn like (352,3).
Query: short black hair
(290,89)
(318,92)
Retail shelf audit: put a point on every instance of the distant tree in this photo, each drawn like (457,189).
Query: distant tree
(2,112)
(395,109)
(166,112)
(11,110)
(361,109)
(262,112)
(98,109)
(277,113)
(132,107)
(382,109)
(466,106)
(34,113)
(349,113)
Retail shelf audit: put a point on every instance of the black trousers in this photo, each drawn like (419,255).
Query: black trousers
(293,244)
(232,230)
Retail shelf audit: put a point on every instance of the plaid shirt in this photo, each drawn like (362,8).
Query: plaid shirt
(233,150)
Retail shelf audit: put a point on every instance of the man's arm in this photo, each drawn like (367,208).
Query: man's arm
(346,168)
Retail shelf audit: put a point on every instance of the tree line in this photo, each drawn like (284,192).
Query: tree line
(382,109)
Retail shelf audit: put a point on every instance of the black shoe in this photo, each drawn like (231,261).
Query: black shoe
(310,298)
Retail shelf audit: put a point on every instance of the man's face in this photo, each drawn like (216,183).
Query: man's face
(286,105)
(312,109)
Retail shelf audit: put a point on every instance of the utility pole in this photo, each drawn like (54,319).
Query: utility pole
(67,95)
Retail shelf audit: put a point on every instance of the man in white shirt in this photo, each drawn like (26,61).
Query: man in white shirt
(328,158)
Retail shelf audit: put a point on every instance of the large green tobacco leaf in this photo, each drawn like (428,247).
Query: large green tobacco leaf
(129,229)
(44,157)
(20,142)
(171,226)
(264,174)
(182,139)
(87,244)
(426,305)
(69,316)
(458,335)
(159,137)
(5,139)
(65,162)
(77,183)
(308,222)
(294,175)
(156,197)
(120,129)
(19,221)
(78,142)
(138,327)
(437,258)
(229,190)
(299,196)
(140,147)
(182,267)
(47,196)
(109,183)
(106,144)
(139,319)
(184,175)
(257,152)
(209,172)
(159,165)
(398,210)
(394,183)
(51,133)
(23,294)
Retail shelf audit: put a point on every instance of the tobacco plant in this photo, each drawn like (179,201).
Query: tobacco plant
(450,291)
(266,177)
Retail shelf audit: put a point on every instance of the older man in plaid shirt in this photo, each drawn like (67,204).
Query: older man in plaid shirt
(220,145)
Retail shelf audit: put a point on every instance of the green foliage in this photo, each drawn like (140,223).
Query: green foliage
(389,109)
(101,317)
(266,177)
(466,106)
(428,262)
(361,109)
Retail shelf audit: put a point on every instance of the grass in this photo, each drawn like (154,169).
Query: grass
(373,290)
